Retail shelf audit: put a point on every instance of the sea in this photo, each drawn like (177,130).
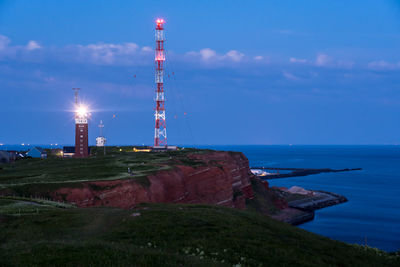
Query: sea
(372,214)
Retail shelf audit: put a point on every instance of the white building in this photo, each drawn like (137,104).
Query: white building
(100,141)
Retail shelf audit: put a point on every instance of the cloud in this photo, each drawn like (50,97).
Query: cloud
(147,49)
(126,48)
(123,54)
(103,53)
(33,45)
(99,53)
(290,76)
(20,52)
(207,54)
(4,41)
(235,55)
(210,55)
(297,60)
(383,65)
(322,60)
(131,54)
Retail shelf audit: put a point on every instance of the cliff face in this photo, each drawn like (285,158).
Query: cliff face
(222,179)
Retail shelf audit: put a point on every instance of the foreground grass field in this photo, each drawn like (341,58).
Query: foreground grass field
(168,235)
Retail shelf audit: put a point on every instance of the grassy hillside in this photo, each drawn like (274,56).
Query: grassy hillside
(168,235)
(114,165)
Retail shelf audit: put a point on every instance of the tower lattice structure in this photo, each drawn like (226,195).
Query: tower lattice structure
(160,131)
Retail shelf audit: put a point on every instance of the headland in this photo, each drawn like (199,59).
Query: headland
(127,176)
(186,207)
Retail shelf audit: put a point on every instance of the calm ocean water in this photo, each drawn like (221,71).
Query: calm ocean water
(373,210)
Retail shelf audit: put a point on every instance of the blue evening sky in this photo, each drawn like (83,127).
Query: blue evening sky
(240,72)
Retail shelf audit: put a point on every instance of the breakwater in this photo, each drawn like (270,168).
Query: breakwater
(319,200)
(303,210)
(295,172)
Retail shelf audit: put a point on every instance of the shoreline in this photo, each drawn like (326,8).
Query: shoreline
(296,172)
(303,210)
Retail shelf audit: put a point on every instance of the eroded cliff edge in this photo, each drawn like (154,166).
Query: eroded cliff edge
(218,177)
(124,179)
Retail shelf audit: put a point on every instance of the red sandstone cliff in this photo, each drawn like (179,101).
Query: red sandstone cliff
(223,180)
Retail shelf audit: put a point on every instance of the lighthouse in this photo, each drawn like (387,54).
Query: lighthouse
(81,128)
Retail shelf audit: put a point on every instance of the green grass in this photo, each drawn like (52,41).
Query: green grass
(23,206)
(263,201)
(56,172)
(170,235)
(39,177)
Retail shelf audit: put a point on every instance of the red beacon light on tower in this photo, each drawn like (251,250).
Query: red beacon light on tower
(160,22)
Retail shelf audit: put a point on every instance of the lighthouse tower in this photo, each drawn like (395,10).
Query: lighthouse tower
(81,128)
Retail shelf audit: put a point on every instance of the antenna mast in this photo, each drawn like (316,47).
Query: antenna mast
(160,131)
(76,92)
(101,126)
(101,140)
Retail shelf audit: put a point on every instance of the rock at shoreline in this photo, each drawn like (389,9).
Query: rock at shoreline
(299,190)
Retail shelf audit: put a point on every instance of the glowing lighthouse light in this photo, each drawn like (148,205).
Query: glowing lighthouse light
(82,115)
(82,111)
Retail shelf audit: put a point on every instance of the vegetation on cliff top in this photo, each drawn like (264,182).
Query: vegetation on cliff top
(56,171)
(169,235)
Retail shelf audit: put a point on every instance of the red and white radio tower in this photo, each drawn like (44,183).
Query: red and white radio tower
(160,131)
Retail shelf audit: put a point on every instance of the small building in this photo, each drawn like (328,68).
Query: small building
(37,152)
(68,151)
(100,141)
